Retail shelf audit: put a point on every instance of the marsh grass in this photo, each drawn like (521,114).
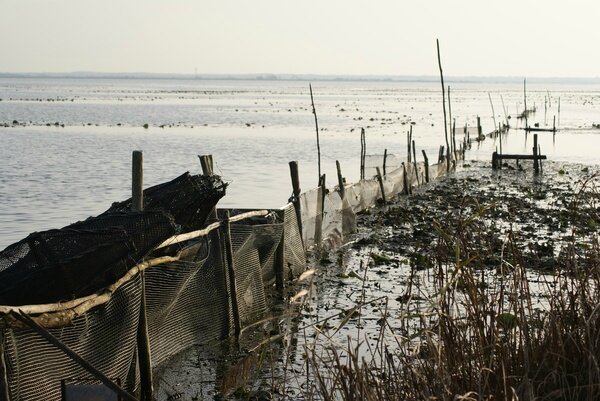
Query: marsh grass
(498,325)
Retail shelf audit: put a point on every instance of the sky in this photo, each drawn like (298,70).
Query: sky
(340,37)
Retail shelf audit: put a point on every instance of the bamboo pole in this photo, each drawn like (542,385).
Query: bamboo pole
(314,111)
(320,211)
(363,153)
(405,180)
(415,161)
(443,103)
(536,165)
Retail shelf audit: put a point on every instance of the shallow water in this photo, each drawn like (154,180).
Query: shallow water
(51,175)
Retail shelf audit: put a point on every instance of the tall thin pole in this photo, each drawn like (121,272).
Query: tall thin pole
(493,112)
(525,93)
(452,150)
(314,111)
(443,102)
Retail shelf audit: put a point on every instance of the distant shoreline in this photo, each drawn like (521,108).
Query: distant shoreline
(302,77)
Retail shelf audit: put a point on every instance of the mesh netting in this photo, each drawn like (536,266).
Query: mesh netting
(294,257)
(79,259)
(188,301)
(104,336)
(188,198)
(392,162)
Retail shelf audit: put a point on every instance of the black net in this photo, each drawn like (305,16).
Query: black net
(188,198)
(80,259)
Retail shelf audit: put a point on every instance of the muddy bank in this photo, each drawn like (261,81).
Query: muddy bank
(501,218)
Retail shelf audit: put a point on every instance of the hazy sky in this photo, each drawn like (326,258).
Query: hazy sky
(478,37)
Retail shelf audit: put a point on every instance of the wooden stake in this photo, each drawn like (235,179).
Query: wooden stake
(137,181)
(408,151)
(415,162)
(443,101)
(296,195)
(405,180)
(226,228)
(363,154)
(320,212)
(341,179)
(4,384)
(206,161)
(451,148)
(426,165)
(380,179)
(384,161)
(493,112)
(143,339)
(536,165)
(314,111)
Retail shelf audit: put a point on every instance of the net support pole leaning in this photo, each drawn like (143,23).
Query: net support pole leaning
(341,179)
(143,339)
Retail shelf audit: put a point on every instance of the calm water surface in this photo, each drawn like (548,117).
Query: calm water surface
(52,175)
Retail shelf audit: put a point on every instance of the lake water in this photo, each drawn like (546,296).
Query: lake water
(66,144)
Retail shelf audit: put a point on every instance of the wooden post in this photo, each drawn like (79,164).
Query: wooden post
(137,181)
(363,153)
(206,161)
(415,161)
(320,212)
(405,180)
(554,124)
(525,95)
(453,136)
(27,321)
(380,179)
(541,164)
(314,111)
(494,160)
(226,228)
(143,339)
(450,120)
(4,384)
(408,151)
(479,129)
(426,165)
(384,161)
(441,154)
(341,179)
(296,195)
(536,165)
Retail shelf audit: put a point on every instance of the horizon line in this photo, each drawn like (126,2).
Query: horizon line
(284,76)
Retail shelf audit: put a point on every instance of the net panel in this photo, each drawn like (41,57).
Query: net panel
(392,162)
(105,337)
(294,257)
(188,301)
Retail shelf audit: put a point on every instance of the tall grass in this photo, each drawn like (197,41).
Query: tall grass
(497,326)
